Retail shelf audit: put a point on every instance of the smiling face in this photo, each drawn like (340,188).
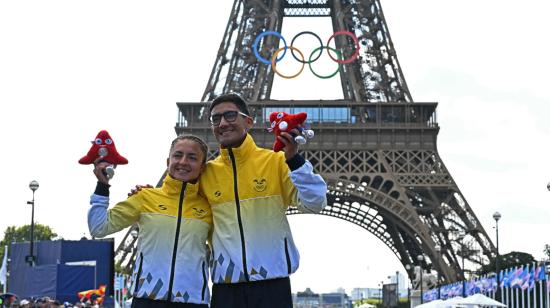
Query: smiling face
(186,161)
(230,134)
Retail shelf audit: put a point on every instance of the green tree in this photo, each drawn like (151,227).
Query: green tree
(514,258)
(547,250)
(23,234)
(119,269)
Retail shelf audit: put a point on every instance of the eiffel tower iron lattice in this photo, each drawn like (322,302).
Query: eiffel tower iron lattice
(376,148)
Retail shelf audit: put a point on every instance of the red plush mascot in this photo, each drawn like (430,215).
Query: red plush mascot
(285,122)
(103,146)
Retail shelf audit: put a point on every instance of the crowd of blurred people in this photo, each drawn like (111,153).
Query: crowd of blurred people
(46,302)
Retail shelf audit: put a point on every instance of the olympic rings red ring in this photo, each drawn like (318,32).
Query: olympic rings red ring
(257,41)
(274,62)
(339,65)
(355,40)
(320,43)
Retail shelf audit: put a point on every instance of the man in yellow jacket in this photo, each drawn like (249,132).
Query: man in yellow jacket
(249,190)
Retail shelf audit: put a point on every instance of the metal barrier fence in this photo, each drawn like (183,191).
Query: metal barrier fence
(121,287)
(524,286)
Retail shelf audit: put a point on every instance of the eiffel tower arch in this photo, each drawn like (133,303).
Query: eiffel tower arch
(376,147)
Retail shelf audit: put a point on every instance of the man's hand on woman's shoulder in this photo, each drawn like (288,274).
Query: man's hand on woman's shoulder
(138,188)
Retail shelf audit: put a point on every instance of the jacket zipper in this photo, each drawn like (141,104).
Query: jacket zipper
(288,263)
(239,219)
(204,280)
(175,251)
(138,276)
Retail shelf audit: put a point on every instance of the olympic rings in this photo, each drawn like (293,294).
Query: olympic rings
(275,59)
(259,37)
(330,48)
(274,62)
(355,40)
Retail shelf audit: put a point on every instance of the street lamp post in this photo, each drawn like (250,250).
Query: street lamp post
(496,217)
(461,240)
(381,290)
(33,185)
(420,258)
(408,268)
(397,285)
(438,250)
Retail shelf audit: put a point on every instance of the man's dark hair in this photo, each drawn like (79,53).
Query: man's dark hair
(230,98)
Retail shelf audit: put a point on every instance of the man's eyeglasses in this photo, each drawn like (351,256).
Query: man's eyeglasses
(229,116)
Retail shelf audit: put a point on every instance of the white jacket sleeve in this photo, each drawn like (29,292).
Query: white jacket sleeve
(102,222)
(97,216)
(312,189)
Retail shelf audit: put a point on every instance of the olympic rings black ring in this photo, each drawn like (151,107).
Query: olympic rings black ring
(320,43)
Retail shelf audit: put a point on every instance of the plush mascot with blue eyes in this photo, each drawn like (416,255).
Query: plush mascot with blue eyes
(285,122)
(103,146)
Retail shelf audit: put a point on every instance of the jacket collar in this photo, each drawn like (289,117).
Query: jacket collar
(242,152)
(173,186)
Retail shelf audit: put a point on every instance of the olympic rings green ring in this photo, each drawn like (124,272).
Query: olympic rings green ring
(338,53)
(274,62)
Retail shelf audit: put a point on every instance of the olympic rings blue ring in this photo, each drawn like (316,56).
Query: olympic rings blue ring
(320,43)
(257,41)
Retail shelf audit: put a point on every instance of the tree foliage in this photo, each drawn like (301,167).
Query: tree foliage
(547,250)
(23,234)
(512,259)
(119,269)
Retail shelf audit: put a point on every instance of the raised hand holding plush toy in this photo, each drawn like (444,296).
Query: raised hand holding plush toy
(103,146)
(285,122)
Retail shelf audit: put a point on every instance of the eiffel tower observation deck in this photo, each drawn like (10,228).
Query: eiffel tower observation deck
(375,147)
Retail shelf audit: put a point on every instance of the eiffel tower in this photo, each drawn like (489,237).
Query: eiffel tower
(376,149)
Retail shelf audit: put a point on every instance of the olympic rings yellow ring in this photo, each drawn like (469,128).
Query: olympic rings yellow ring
(274,62)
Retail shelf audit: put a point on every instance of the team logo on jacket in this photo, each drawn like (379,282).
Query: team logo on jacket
(199,213)
(260,185)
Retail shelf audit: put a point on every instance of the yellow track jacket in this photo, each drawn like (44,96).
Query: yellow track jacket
(249,190)
(174,225)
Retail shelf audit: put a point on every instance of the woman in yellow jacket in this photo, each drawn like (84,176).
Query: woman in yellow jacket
(171,268)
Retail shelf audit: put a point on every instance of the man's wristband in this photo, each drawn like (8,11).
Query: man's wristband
(102,189)
(295,162)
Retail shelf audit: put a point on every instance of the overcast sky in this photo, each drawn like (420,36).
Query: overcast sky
(71,68)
